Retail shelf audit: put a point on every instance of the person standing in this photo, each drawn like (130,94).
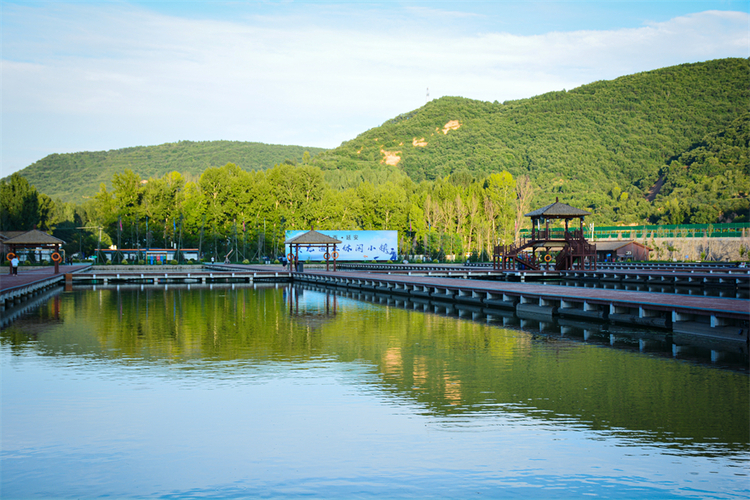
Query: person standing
(14,265)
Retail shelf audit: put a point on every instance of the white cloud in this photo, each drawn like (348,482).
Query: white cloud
(109,77)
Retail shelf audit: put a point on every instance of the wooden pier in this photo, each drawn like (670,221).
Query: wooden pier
(30,282)
(167,277)
(710,277)
(720,318)
(473,292)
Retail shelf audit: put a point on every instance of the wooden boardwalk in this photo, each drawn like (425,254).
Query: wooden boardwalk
(31,281)
(197,275)
(717,317)
(34,280)
(720,277)
(664,274)
(726,318)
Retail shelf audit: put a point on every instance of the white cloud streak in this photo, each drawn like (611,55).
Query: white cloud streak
(89,77)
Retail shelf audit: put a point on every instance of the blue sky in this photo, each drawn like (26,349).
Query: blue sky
(99,75)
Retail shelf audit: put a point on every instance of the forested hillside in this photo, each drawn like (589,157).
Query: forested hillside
(601,146)
(453,177)
(75,176)
(711,181)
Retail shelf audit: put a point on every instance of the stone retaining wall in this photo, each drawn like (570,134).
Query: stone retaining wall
(697,249)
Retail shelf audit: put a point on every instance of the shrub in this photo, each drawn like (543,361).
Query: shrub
(140,262)
(172,262)
(107,262)
(124,262)
(246,261)
(276,261)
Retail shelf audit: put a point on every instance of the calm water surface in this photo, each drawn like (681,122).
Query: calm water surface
(281,392)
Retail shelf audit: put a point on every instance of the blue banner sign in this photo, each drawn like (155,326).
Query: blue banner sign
(355,245)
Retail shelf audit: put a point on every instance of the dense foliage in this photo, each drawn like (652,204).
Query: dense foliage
(601,146)
(228,207)
(710,182)
(453,177)
(22,207)
(76,176)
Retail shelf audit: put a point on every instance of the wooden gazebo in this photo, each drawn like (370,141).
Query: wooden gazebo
(567,247)
(312,238)
(35,239)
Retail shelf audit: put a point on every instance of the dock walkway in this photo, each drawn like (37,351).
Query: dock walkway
(725,318)
(32,281)
(720,277)
(717,317)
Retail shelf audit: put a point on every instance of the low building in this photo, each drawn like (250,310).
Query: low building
(152,255)
(620,251)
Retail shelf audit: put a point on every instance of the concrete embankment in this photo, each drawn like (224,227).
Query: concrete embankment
(697,249)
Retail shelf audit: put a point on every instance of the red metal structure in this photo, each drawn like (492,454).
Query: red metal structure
(567,247)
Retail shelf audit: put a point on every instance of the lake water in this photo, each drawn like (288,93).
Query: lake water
(232,392)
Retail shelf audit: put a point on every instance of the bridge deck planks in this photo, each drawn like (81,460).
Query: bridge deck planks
(651,300)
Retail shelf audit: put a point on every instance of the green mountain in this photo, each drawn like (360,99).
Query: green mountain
(668,145)
(710,181)
(74,176)
(603,146)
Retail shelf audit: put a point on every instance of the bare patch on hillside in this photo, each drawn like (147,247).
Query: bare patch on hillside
(451,125)
(418,143)
(655,188)
(390,157)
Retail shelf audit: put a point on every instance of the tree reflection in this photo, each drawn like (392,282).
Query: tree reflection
(452,367)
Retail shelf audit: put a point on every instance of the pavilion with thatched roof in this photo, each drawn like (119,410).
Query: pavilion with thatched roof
(313,238)
(33,239)
(568,248)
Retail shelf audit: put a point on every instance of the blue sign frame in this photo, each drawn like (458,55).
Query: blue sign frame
(355,245)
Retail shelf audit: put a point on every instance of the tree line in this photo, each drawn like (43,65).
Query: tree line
(227,207)
(668,146)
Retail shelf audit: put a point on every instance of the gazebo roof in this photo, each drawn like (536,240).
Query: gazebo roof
(6,235)
(558,210)
(312,237)
(33,237)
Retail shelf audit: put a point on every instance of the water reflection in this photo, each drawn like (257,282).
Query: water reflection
(462,375)
(450,365)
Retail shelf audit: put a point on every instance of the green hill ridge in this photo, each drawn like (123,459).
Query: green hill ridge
(602,146)
(669,145)
(72,177)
